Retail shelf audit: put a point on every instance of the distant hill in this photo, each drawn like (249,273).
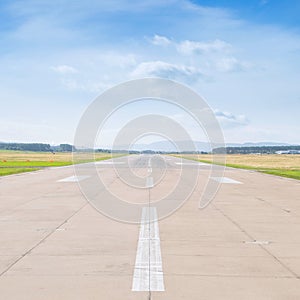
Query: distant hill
(260,144)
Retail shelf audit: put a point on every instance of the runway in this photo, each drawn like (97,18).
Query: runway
(56,245)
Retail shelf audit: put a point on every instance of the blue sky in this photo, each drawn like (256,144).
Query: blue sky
(243,57)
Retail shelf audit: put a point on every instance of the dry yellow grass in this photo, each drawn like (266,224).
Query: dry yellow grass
(280,165)
(41,156)
(270,161)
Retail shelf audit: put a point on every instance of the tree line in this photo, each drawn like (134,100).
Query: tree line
(37,147)
(255,149)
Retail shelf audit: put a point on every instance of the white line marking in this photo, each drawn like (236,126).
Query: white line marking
(149,170)
(148,274)
(149,182)
(149,162)
(226,180)
(73,179)
(62,167)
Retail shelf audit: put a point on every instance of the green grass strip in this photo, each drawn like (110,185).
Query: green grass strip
(295,174)
(33,164)
(10,171)
(16,167)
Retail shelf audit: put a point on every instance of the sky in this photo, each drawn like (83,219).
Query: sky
(242,57)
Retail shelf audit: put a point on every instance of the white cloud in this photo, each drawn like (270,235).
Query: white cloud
(188,47)
(166,70)
(228,119)
(215,55)
(231,64)
(159,40)
(99,70)
(85,86)
(64,69)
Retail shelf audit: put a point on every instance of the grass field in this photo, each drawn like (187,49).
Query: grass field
(280,165)
(12,162)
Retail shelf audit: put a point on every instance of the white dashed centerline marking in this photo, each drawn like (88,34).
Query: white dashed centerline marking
(149,182)
(148,274)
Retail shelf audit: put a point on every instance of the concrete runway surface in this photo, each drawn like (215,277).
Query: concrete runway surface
(55,245)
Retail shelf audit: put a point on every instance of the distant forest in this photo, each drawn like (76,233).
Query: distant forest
(38,147)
